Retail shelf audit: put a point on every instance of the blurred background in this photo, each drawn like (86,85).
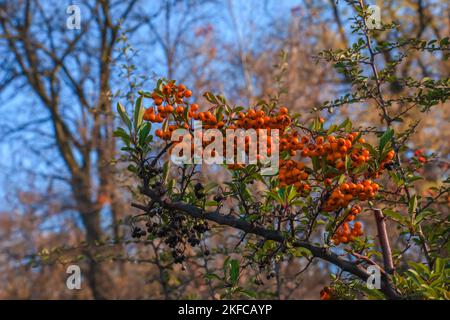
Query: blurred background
(62,189)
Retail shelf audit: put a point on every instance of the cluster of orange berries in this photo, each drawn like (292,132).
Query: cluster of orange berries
(251,119)
(293,173)
(335,149)
(208,119)
(290,143)
(346,192)
(258,119)
(167,102)
(346,233)
(355,210)
(171,94)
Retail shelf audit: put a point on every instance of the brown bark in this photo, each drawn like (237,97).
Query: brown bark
(227,220)
(384,241)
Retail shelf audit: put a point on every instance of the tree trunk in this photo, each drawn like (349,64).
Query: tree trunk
(97,276)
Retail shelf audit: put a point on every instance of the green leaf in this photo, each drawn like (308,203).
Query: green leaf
(346,125)
(249,293)
(332,129)
(439,265)
(138,113)
(166,167)
(211,276)
(132,168)
(347,162)
(385,138)
(292,193)
(394,215)
(143,132)
(170,185)
(412,206)
(159,84)
(234,271)
(302,252)
(211,98)
(422,215)
(121,133)
(123,115)
(445,41)
(211,203)
(316,164)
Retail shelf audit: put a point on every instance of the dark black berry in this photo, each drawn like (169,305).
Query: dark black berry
(198,186)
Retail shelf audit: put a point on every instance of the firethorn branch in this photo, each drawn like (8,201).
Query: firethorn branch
(384,240)
(267,234)
(383,103)
(368,260)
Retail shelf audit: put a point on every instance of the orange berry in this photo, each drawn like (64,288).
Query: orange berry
(147,114)
(159,118)
(194,107)
(168,109)
(159,133)
(208,115)
(179,110)
(260,121)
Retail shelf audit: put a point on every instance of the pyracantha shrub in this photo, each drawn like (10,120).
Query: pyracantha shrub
(327,176)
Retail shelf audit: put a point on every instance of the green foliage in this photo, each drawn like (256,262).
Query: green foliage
(420,282)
